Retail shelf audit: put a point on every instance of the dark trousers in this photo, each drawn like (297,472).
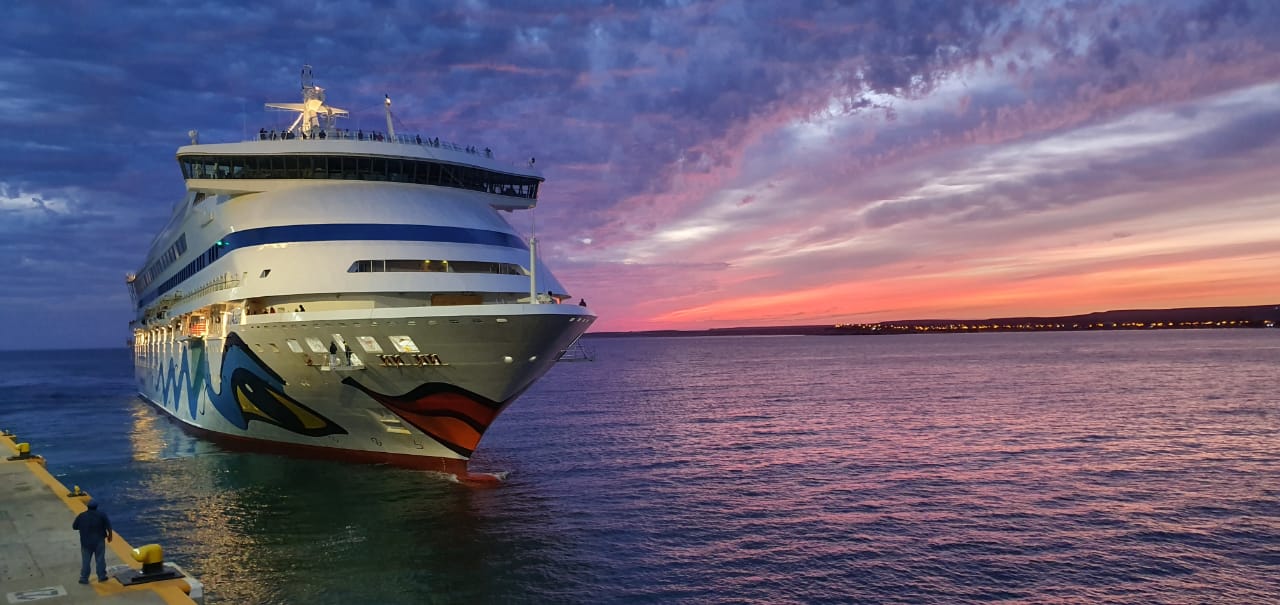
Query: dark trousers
(99,551)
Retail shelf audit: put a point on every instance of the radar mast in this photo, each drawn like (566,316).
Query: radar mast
(314,116)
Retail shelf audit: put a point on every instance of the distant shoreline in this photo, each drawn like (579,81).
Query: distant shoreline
(1192,318)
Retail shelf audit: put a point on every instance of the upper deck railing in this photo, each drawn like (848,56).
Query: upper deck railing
(373,136)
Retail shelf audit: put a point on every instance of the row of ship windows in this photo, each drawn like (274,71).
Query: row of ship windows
(399,344)
(212,254)
(158,267)
(434,266)
(357,168)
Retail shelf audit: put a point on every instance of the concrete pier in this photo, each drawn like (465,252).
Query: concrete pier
(40,553)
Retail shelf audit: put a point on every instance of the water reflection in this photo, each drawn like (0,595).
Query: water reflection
(260,528)
(1125,467)
(154,436)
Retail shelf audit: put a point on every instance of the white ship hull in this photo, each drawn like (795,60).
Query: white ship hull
(424,410)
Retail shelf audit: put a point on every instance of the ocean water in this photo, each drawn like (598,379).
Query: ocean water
(1122,467)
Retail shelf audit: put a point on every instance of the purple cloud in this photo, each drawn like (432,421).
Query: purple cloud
(772,146)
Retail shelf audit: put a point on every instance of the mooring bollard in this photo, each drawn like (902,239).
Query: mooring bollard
(151,556)
(24,452)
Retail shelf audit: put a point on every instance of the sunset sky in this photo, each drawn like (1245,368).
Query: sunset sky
(708,164)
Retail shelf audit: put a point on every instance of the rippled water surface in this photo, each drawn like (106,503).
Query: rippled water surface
(1130,467)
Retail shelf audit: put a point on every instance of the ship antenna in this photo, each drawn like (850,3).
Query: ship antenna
(391,130)
(533,257)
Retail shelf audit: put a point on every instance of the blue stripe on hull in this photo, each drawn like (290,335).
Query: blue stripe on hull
(333,232)
(369,232)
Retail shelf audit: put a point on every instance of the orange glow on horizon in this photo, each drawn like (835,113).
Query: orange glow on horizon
(1187,284)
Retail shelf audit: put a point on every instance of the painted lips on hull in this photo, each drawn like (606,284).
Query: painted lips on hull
(451,415)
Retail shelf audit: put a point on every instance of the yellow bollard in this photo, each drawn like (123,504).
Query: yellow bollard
(151,556)
(76,493)
(24,452)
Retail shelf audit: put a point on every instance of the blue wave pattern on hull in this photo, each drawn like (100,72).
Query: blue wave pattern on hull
(249,390)
(170,384)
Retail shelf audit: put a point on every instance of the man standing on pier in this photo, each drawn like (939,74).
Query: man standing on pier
(94,527)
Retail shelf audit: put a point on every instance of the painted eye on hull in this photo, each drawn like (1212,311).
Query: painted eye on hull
(253,392)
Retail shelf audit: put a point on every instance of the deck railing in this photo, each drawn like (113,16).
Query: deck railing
(373,136)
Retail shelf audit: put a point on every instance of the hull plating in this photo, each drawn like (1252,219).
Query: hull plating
(426,410)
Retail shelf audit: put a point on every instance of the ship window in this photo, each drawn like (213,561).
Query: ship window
(315,345)
(274,348)
(404,344)
(294,345)
(426,172)
(370,344)
(435,266)
(396,171)
(265,272)
(403,266)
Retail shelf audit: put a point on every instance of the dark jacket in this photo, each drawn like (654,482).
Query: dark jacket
(93,525)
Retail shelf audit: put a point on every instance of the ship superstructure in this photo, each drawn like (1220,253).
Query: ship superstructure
(350,293)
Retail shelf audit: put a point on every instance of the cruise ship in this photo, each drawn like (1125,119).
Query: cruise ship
(347,293)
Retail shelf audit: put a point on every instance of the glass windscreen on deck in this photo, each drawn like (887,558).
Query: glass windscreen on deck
(434,266)
(357,168)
